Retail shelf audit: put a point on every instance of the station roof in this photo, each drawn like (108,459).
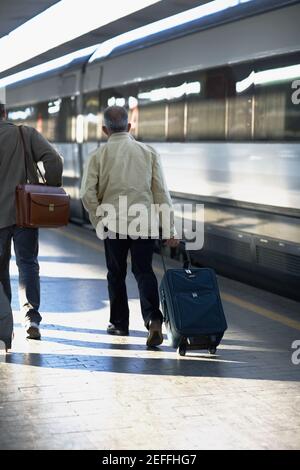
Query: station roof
(14,13)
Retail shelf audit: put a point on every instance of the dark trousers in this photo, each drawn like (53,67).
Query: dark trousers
(26,249)
(141,250)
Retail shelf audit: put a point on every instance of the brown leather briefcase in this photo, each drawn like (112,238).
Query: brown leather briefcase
(39,205)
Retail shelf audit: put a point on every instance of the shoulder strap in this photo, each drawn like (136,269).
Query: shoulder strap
(24,152)
(27,158)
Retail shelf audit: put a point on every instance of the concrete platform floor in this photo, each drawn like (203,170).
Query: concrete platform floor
(79,388)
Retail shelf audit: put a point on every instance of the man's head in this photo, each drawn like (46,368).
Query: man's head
(2,111)
(115,120)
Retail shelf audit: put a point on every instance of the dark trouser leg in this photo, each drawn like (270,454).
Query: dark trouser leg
(116,252)
(6,317)
(141,258)
(26,246)
(5,253)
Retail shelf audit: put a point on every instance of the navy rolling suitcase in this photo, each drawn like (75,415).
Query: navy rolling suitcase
(192,309)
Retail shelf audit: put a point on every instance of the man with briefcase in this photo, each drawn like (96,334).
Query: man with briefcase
(16,169)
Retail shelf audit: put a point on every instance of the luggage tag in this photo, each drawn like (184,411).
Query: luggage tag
(189,273)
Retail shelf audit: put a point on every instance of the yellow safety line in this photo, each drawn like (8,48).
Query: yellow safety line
(83,241)
(227,297)
(262,311)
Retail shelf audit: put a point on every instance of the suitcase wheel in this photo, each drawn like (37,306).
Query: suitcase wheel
(212,350)
(181,350)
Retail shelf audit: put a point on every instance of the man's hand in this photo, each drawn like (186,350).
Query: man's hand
(172,242)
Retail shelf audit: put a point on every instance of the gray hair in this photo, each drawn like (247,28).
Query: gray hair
(116,119)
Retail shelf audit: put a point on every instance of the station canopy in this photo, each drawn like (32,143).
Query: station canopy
(15,13)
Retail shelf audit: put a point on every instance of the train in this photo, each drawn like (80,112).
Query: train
(218,99)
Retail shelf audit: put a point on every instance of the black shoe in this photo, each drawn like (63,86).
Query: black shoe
(33,330)
(5,343)
(155,336)
(114,330)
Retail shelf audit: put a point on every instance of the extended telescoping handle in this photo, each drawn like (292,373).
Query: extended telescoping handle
(187,262)
(162,256)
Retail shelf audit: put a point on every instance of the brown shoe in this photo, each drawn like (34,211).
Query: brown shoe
(155,336)
(33,330)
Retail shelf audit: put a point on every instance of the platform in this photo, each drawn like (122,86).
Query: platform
(79,388)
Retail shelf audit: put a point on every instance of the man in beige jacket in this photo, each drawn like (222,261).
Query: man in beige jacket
(124,170)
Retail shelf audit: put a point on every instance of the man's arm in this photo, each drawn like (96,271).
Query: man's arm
(43,152)
(161,195)
(89,187)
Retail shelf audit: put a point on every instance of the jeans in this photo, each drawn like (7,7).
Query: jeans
(116,251)
(26,249)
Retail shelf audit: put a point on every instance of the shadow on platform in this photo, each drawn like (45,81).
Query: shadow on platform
(229,364)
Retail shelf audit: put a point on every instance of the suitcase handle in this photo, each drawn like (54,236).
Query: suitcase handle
(187,262)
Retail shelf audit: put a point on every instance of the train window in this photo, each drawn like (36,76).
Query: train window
(26,115)
(292,117)
(92,117)
(239,121)
(67,118)
(270,104)
(47,119)
(206,111)
(247,101)
(176,121)
(239,102)
(152,112)
(276,117)
(206,119)
(55,119)
(162,107)
(151,122)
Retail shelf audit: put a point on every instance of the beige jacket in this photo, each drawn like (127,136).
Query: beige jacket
(125,167)
(12,165)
